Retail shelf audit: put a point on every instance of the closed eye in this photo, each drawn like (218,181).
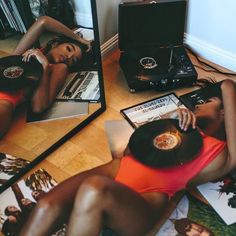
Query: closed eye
(212,99)
(68,48)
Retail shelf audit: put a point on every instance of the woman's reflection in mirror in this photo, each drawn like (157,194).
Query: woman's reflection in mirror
(59,57)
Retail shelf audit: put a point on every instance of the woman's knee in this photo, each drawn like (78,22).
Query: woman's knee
(93,190)
(47,207)
(97,184)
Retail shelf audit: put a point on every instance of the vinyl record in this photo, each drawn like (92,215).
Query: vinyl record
(162,143)
(15,73)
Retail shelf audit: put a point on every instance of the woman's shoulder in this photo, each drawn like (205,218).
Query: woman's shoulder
(59,66)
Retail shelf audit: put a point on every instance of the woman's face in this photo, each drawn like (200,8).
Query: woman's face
(12,209)
(198,230)
(67,53)
(210,109)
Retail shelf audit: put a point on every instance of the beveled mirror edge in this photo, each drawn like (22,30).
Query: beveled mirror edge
(80,126)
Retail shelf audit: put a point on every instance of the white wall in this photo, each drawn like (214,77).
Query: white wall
(107,18)
(82,11)
(211,30)
(107,11)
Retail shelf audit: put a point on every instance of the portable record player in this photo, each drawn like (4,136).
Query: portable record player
(151,45)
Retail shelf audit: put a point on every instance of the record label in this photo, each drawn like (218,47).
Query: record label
(167,141)
(13,72)
(162,144)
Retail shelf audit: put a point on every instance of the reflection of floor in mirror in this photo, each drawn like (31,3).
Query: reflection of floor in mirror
(89,147)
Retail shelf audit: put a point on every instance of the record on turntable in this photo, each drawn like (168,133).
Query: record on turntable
(162,143)
(16,74)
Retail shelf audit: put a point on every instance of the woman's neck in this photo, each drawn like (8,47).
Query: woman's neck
(213,128)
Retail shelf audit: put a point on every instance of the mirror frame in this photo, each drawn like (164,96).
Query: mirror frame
(81,125)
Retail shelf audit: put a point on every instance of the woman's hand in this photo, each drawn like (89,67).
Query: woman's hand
(86,42)
(89,46)
(36,53)
(185,117)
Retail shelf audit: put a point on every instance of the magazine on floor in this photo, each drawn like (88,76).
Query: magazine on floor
(19,200)
(151,110)
(221,195)
(80,86)
(192,217)
(10,166)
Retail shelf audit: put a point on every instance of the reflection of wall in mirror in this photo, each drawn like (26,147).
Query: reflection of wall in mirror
(107,12)
(82,11)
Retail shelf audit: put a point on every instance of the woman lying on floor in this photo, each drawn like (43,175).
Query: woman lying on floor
(128,196)
(58,58)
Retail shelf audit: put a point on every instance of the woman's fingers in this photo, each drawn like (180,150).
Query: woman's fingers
(186,118)
(28,54)
(36,53)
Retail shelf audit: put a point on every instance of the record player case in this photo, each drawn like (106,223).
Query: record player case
(151,44)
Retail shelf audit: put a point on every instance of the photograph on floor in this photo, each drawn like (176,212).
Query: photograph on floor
(18,201)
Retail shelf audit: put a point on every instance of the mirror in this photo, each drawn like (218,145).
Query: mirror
(80,99)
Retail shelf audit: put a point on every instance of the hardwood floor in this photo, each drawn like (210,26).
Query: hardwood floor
(89,147)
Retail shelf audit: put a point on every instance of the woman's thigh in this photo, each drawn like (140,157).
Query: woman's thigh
(125,211)
(6,111)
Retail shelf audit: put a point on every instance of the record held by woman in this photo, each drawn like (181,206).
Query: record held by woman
(162,143)
(16,74)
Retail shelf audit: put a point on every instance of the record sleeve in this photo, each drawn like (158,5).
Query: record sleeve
(80,86)
(151,110)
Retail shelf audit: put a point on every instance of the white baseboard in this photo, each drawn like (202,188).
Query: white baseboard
(214,54)
(109,46)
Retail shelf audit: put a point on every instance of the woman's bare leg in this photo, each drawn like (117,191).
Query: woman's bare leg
(101,202)
(6,111)
(55,207)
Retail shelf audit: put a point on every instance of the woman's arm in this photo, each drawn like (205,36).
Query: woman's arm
(51,82)
(43,24)
(226,160)
(228,89)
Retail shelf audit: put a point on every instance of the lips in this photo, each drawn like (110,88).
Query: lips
(62,58)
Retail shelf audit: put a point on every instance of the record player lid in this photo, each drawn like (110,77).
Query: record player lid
(151,23)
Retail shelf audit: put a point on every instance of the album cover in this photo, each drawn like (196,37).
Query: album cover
(151,110)
(10,166)
(192,217)
(86,33)
(18,201)
(59,110)
(200,95)
(221,195)
(80,86)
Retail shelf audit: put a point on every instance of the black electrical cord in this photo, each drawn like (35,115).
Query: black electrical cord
(215,70)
